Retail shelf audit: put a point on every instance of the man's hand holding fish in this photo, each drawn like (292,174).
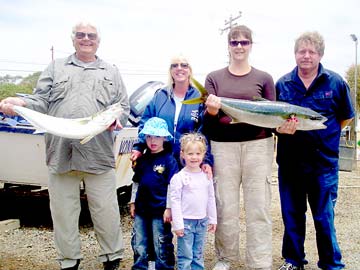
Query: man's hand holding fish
(7,105)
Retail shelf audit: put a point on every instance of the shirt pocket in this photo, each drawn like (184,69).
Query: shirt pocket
(59,89)
(105,91)
(322,101)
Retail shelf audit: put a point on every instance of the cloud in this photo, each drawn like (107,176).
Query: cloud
(140,36)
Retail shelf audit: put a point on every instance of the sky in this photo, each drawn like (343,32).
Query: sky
(141,36)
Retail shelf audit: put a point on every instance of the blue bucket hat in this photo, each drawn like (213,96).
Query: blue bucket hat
(155,126)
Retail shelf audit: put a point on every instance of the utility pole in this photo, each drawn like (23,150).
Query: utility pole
(230,23)
(355,39)
(52,53)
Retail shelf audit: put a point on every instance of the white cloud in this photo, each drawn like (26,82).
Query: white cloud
(141,36)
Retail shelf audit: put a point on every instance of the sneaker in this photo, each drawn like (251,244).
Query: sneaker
(289,266)
(222,265)
(151,265)
(112,265)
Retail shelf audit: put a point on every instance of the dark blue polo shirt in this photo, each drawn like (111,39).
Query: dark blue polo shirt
(329,95)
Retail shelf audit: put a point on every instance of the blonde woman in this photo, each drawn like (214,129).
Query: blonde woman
(167,105)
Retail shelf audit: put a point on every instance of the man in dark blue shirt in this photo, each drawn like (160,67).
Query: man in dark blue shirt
(308,160)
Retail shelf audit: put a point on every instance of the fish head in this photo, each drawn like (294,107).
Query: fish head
(108,116)
(313,121)
(115,109)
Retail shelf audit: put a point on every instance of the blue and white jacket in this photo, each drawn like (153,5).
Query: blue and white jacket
(190,118)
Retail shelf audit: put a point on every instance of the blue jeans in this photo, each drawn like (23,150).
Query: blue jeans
(190,251)
(152,231)
(320,190)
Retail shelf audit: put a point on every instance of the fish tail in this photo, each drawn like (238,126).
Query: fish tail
(203,93)
(86,139)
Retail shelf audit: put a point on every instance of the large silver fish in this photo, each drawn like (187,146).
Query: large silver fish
(79,128)
(264,113)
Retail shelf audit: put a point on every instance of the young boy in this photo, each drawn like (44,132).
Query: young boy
(153,171)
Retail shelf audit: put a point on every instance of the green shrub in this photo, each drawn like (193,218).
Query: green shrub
(10,90)
(26,86)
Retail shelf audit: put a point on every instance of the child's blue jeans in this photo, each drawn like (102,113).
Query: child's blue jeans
(152,230)
(190,250)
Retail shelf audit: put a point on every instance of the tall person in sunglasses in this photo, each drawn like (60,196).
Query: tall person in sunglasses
(73,87)
(243,156)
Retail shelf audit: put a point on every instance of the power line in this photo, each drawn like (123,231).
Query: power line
(19,70)
(20,62)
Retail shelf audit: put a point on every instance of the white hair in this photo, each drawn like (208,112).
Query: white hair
(84,23)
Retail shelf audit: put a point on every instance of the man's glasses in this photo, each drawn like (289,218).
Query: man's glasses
(81,35)
(235,43)
(182,65)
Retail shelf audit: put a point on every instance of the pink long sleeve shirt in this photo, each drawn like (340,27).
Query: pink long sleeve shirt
(192,197)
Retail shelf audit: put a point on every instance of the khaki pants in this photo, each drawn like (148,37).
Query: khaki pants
(247,164)
(65,210)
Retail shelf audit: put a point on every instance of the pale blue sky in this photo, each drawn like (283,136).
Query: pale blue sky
(141,36)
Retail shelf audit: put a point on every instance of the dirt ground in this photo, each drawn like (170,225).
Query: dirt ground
(31,247)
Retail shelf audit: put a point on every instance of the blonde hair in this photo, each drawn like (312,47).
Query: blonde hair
(313,38)
(177,59)
(191,139)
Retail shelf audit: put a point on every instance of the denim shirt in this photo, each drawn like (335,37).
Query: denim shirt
(328,95)
(69,89)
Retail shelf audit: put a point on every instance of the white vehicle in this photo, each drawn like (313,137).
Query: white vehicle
(22,154)
(22,157)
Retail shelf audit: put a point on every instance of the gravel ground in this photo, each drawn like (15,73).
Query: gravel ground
(31,247)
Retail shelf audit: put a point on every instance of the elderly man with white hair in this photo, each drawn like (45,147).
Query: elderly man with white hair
(78,86)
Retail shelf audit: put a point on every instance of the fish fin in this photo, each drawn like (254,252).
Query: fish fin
(203,93)
(193,101)
(86,139)
(235,121)
(260,99)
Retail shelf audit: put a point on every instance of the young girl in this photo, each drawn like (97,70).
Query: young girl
(152,174)
(192,204)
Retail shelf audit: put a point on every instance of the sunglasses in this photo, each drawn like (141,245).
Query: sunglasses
(81,35)
(235,43)
(182,65)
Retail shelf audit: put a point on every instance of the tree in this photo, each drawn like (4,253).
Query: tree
(350,77)
(31,79)
(10,79)
(9,88)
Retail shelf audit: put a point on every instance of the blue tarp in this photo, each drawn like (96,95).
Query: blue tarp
(15,124)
